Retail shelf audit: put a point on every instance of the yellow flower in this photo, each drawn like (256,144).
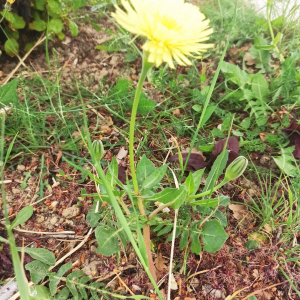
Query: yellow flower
(174,29)
(10,1)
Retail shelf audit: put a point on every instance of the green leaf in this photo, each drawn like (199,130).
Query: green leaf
(184,240)
(38,270)
(222,201)
(8,92)
(145,105)
(55,277)
(260,86)
(54,6)
(39,292)
(72,282)
(38,25)
(112,172)
(107,240)
(3,240)
(209,111)
(195,238)
(234,74)
(11,47)
(144,168)
(16,21)
(73,27)
(40,4)
(155,177)
(189,182)
(216,170)
(56,25)
(286,162)
(78,4)
(40,254)
(82,289)
(173,196)
(197,179)
(63,294)
(23,215)
(130,57)
(213,236)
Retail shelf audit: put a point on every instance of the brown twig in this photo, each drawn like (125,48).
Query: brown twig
(266,288)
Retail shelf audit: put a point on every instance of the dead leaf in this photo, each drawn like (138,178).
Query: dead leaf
(76,134)
(58,157)
(176,112)
(121,154)
(262,136)
(250,61)
(268,228)
(106,129)
(160,262)
(255,273)
(265,295)
(238,210)
(233,147)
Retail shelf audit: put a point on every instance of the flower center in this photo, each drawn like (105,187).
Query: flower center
(169,23)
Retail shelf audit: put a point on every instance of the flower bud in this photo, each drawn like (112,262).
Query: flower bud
(236,168)
(98,149)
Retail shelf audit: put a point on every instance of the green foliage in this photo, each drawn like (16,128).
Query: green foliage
(57,11)
(286,162)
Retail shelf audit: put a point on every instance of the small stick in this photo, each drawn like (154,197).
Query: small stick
(44,232)
(204,271)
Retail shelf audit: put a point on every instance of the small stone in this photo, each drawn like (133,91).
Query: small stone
(21,168)
(40,219)
(71,212)
(54,220)
(93,249)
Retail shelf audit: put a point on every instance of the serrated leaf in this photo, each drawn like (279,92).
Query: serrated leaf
(165,230)
(38,270)
(155,177)
(81,289)
(72,281)
(63,294)
(55,277)
(40,4)
(213,236)
(40,254)
(73,27)
(107,239)
(234,74)
(23,216)
(55,25)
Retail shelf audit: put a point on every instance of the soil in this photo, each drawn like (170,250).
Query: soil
(210,276)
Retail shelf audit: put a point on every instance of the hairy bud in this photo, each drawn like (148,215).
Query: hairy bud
(236,168)
(98,149)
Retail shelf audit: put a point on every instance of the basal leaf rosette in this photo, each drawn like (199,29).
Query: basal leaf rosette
(174,29)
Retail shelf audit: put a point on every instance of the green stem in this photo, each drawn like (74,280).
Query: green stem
(272,34)
(146,67)
(18,268)
(124,224)
(209,191)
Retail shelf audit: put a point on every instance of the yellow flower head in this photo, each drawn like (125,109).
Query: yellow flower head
(174,29)
(10,1)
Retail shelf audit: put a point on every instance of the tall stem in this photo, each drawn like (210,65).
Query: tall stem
(146,67)
(146,231)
